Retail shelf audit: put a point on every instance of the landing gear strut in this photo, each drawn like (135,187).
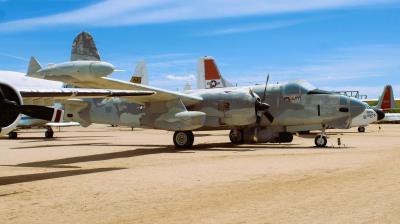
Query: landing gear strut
(321,140)
(49,133)
(236,136)
(183,139)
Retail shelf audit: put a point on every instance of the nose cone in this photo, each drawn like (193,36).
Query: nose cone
(380,114)
(356,107)
(102,69)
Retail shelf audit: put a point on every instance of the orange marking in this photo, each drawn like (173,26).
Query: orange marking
(211,70)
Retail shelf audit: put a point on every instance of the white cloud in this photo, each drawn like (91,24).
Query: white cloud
(123,12)
(13,56)
(186,78)
(253,27)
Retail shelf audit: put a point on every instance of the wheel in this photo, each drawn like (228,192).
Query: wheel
(13,135)
(183,139)
(48,134)
(236,136)
(285,137)
(320,141)
(361,129)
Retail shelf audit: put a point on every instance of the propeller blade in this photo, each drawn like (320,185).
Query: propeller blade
(42,112)
(262,106)
(265,89)
(269,116)
(2,96)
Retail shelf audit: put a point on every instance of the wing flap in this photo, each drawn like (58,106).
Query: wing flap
(67,93)
(161,94)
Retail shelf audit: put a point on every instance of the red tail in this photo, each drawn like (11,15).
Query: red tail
(211,70)
(386,101)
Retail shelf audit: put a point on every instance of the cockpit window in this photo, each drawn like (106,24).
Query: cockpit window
(298,87)
(292,89)
(343,100)
(319,91)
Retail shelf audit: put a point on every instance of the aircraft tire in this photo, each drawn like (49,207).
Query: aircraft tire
(49,134)
(183,139)
(13,135)
(320,141)
(236,139)
(361,129)
(285,137)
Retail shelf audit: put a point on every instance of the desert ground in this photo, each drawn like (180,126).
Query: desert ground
(103,174)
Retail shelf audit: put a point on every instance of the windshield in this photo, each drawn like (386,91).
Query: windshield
(298,87)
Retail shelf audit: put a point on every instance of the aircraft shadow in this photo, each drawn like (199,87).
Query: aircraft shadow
(50,175)
(153,149)
(61,145)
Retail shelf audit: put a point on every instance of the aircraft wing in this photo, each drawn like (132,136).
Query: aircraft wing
(62,124)
(67,93)
(161,94)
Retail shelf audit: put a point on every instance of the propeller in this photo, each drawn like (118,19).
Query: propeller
(10,108)
(262,108)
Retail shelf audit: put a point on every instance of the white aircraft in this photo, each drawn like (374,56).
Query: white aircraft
(27,101)
(388,104)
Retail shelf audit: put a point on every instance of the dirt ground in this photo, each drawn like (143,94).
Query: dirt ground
(114,175)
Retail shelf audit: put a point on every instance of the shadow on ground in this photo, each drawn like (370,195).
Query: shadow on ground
(50,175)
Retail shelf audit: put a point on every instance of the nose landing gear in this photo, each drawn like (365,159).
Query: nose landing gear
(321,140)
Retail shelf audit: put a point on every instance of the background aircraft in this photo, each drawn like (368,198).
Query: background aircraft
(258,113)
(388,104)
(140,75)
(22,95)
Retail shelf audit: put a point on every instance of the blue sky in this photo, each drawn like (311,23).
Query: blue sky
(336,44)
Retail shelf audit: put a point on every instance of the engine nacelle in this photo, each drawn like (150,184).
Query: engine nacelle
(9,121)
(233,107)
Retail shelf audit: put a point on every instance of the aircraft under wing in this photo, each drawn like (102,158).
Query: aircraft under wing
(161,94)
(67,93)
(62,124)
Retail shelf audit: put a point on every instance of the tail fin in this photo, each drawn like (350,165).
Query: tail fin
(140,74)
(84,48)
(209,75)
(33,67)
(386,100)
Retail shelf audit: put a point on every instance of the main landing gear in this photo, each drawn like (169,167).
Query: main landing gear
(361,129)
(321,140)
(183,139)
(49,133)
(236,136)
(13,135)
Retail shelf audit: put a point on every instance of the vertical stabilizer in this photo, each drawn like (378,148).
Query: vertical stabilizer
(84,48)
(33,67)
(386,100)
(140,74)
(209,75)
